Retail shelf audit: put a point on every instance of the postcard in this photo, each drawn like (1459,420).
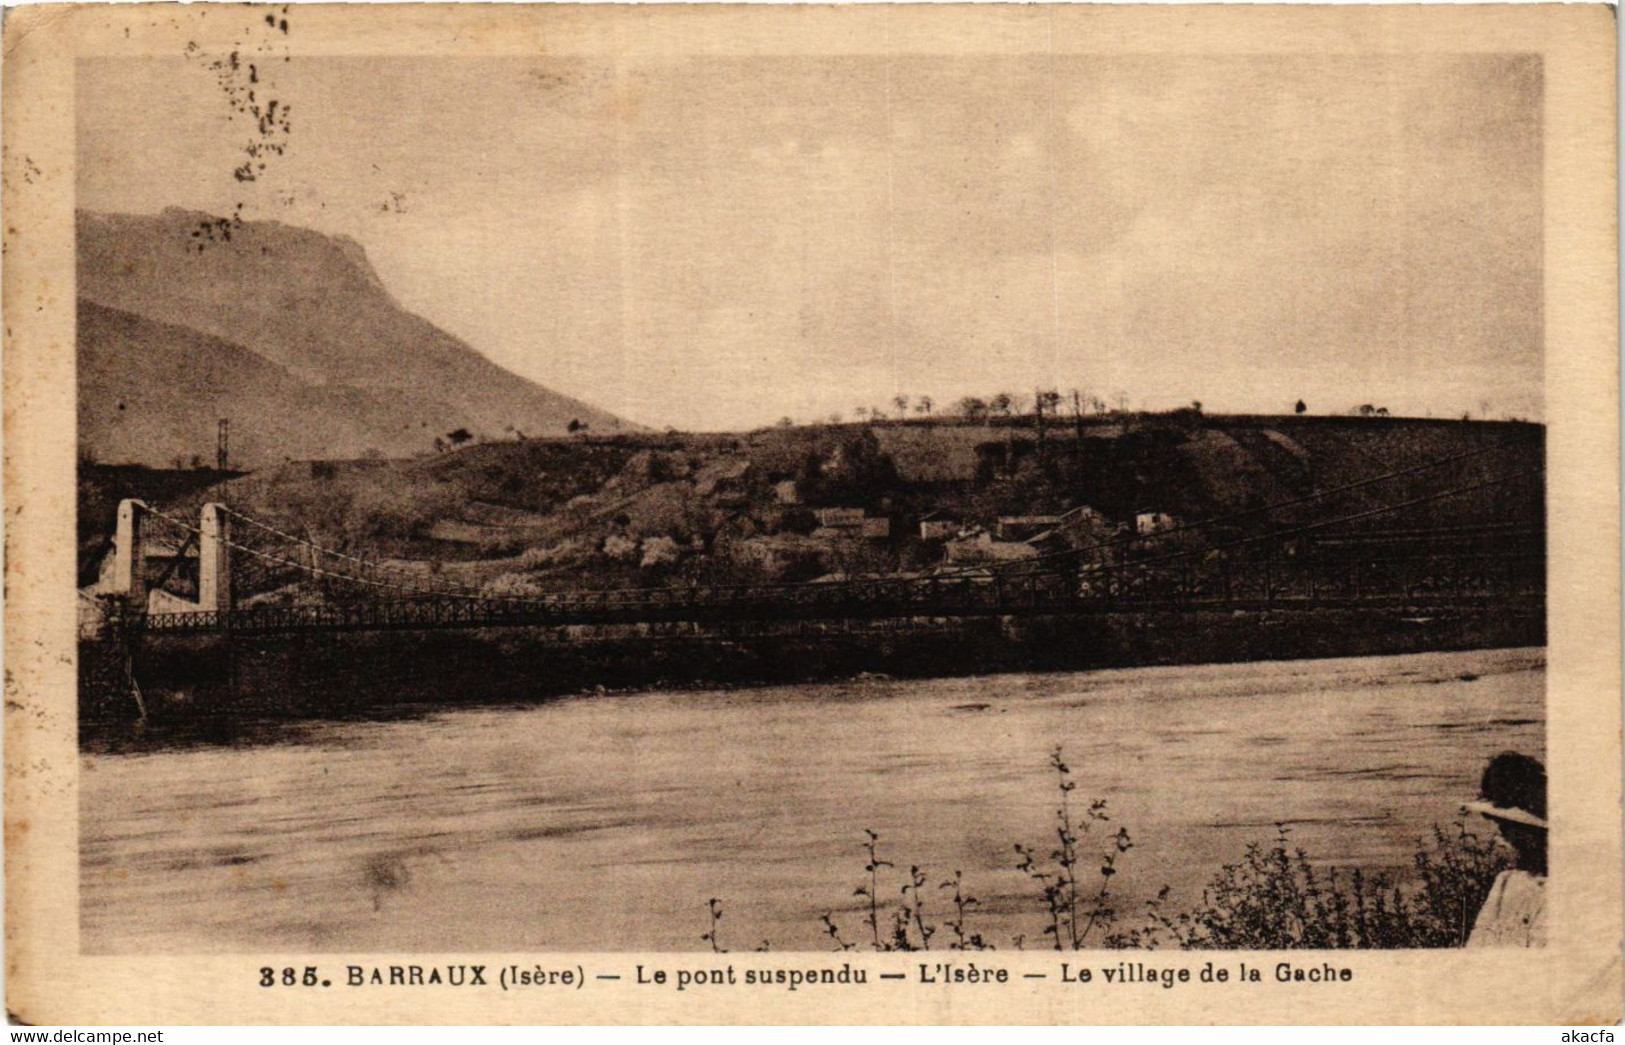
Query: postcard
(811,514)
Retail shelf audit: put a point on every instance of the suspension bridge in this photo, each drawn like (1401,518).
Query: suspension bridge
(254,577)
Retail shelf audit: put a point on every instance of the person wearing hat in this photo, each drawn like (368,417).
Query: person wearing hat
(1513,796)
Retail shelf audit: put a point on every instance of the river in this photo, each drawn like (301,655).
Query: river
(606,823)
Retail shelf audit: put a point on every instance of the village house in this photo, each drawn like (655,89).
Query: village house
(982,546)
(839,523)
(877,528)
(938,526)
(1023,527)
(840,518)
(1147,523)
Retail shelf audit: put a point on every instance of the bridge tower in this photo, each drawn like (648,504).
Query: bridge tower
(214,560)
(129,556)
(129,578)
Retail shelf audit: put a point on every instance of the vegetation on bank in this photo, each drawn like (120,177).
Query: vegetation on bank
(1273,898)
(642,510)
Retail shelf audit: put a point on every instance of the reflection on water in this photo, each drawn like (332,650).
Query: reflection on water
(605,823)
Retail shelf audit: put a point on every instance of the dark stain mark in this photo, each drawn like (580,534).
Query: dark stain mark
(251,96)
(384,874)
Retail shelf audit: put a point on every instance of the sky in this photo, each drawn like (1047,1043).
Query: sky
(718,242)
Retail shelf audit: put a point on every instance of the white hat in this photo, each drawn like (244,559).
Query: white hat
(1511,814)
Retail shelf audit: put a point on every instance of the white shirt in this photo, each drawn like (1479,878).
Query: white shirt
(1514,914)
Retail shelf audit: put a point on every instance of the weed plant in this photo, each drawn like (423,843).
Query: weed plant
(1273,898)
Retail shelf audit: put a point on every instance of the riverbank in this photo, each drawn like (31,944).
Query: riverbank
(212,688)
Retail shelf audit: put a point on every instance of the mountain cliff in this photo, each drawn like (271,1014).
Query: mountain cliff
(186,318)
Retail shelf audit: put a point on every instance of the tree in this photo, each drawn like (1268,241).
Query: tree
(1196,405)
(1044,400)
(901,403)
(860,412)
(575,425)
(1300,408)
(1000,404)
(971,408)
(923,405)
(786,422)
(1366,410)
(459,436)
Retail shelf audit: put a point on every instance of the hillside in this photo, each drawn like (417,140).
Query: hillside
(148,389)
(673,509)
(286,331)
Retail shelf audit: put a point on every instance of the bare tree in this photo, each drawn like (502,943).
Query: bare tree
(923,405)
(1044,399)
(900,401)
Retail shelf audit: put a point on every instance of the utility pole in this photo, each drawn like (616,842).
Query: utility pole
(222,444)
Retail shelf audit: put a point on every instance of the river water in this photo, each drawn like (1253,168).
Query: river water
(607,822)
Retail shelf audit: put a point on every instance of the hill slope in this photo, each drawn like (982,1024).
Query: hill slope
(344,367)
(652,509)
(152,392)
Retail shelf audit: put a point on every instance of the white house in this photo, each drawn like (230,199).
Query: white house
(1146,523)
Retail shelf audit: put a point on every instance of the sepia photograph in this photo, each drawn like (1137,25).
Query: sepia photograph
(829,482)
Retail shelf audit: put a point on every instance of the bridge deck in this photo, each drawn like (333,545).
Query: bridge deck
(451,613)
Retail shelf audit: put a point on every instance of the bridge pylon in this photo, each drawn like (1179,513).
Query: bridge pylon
(214,560)
(130,551)
(129,578)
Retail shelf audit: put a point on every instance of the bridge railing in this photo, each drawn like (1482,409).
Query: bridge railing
(1215,582)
